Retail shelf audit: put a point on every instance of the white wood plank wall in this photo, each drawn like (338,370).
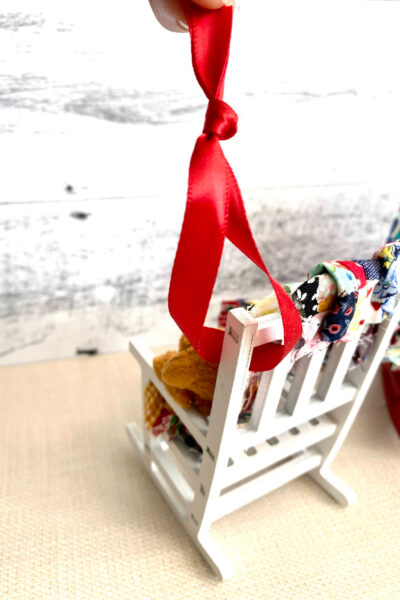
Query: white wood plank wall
(99,112)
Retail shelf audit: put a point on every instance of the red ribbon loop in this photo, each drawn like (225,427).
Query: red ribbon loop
(215,208)
(221,120)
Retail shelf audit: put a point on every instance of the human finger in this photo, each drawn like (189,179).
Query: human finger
(171,16)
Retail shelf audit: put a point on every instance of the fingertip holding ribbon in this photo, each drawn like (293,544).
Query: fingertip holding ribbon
(169,13)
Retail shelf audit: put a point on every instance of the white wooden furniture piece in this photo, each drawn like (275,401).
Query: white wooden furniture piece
(298,423)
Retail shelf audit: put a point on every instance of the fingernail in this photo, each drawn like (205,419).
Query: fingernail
(213,4)
(183,24)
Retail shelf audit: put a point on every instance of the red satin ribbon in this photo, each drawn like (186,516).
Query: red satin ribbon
(356,269)
(215,209)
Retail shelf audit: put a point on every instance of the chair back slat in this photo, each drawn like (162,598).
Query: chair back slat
(268,395)
(306,373)
(335,369)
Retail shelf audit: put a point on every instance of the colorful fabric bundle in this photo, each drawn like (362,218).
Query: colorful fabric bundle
(342,308)
(331,302)
(349,283)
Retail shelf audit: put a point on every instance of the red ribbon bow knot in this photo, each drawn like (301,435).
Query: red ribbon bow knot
(221,120)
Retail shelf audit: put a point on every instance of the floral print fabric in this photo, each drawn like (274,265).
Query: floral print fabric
(315,295)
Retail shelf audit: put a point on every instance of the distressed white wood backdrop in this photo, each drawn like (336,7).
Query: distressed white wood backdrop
(99,112)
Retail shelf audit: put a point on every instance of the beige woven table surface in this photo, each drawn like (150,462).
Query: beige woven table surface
(81,519)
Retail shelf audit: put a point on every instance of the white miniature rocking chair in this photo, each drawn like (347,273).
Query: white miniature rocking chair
(320,402)
(300,417)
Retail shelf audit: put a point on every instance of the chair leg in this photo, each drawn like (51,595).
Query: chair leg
(213,554)
(334,486)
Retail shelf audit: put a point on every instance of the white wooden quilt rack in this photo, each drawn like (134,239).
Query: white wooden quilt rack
(320,398)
